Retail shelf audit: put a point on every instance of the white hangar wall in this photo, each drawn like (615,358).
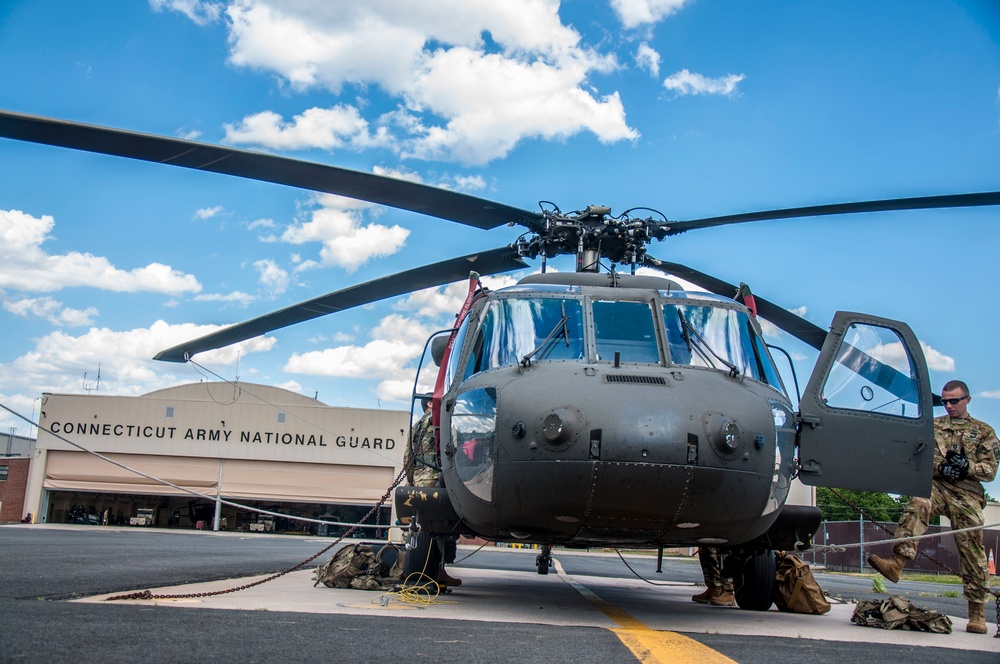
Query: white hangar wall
(241,441)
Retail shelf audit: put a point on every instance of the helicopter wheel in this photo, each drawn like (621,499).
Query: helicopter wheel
(755,582)
(425,559)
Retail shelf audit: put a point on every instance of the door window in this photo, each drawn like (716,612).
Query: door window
(873,372)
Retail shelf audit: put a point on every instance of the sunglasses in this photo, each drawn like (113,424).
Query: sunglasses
(953,402)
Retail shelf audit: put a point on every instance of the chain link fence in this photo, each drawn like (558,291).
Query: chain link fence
(871,537)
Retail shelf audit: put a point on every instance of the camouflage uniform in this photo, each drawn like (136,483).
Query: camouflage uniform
(423,443)
(962,502)
(711,566)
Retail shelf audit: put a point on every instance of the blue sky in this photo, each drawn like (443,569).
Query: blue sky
(693,108)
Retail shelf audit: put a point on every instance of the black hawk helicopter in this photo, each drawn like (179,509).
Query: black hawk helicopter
(609,408)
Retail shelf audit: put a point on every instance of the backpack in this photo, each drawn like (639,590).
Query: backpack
(898,613)
(358,566)
(796,589)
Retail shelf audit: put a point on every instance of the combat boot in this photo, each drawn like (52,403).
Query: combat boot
(446,579)
(706,597)
(977,621)
(724,598)
(891,568)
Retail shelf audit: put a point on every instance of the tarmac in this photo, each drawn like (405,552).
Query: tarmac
(647,611)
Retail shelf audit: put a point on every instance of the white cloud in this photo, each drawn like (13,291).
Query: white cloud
(272,278)
(463,183)
(208,213)
(291,386)
(458,98)
(199,11)
(328,128)
(261,223)
(397,341)
(25,266)
(648,59)
(633,13)
(51,310)
(936,360)
(346,240)
(59,360)
(990,394)
(686,83)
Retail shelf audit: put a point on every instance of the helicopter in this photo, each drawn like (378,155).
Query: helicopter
(603,407)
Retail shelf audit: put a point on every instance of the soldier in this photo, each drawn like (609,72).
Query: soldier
(719,591)
(966,454)
(423,471)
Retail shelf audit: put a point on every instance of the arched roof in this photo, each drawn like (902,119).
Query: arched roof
(227,393)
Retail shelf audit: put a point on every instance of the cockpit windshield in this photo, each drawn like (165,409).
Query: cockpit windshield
(540,329)
(718,338)
(625,328)
(525,330)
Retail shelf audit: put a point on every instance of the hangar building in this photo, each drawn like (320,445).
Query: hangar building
(253,444)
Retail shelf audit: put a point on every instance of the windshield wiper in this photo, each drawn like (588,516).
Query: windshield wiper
(690,331)
(561,326)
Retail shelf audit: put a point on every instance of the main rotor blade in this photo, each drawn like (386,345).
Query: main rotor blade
(495,261)
(863,364)
(402,194)
(794,325)
(918,203)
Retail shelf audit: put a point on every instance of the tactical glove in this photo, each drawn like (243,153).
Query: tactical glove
(955,466)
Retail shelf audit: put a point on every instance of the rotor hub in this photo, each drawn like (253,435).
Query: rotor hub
(591,235)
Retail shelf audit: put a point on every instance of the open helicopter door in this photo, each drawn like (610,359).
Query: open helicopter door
(866,418)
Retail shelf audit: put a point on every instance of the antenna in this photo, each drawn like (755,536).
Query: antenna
(237,366)
(97,384)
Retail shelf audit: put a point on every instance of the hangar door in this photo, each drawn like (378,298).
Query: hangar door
(241,478)
(304,482)
(79,471)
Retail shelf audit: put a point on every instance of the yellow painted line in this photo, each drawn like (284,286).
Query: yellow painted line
(649,646)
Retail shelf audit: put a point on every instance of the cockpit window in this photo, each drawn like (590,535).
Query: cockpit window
(718,338)
(541,329)
(626,328)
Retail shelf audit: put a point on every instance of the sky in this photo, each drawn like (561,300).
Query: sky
(694,108)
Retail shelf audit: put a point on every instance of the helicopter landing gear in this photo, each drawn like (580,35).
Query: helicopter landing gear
(755,581)
(422,555)
(543,561)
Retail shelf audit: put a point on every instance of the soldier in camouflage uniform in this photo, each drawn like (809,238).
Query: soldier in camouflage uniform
(966,454)
(423,471)
(719,590)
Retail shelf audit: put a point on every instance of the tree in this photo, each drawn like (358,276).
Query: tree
(877,506)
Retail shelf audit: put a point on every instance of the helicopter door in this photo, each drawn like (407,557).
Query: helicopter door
(866,419)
